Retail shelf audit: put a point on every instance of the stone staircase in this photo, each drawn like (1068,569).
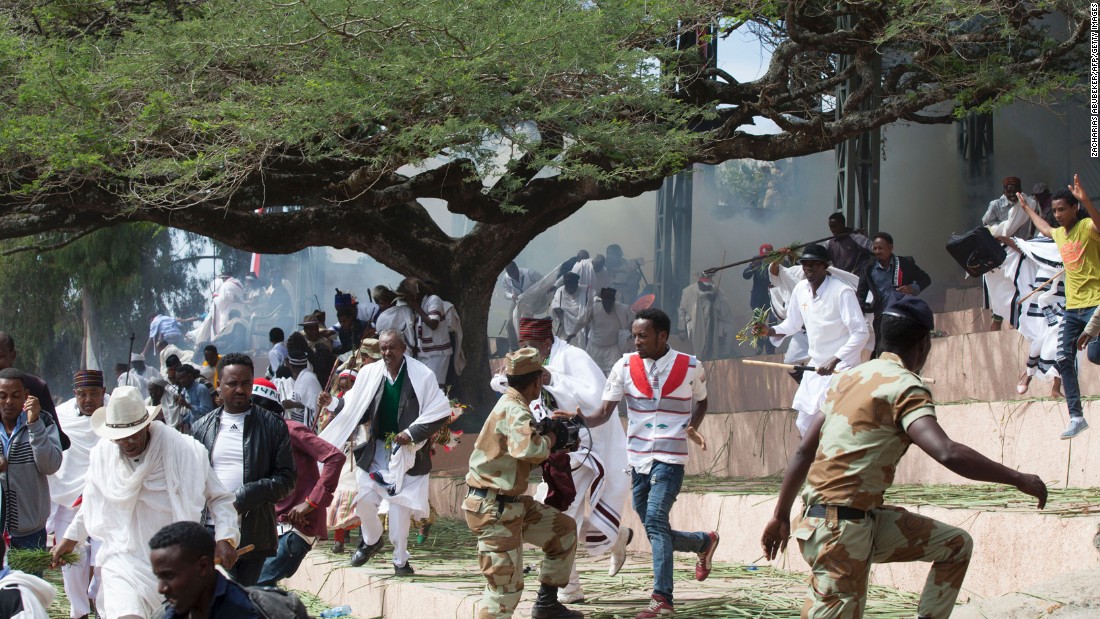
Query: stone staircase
(732,489)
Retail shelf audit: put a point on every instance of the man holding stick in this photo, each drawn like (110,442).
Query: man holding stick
(848,458)
(834,325)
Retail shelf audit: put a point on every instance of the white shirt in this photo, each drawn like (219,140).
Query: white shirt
(650,425)
(606,325)
(574,306)
(133,378)
(833,319)
(228,456)
(435,341)
(306,389)
(400,318)
(276,357)
(513,287)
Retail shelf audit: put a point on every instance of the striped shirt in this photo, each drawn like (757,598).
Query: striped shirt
(660,396)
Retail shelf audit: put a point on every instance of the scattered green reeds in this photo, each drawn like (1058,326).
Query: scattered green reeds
(36,560)
(1066,503)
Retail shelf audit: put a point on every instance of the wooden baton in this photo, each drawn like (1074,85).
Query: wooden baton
(805,368)
(240,551)
(1041,286)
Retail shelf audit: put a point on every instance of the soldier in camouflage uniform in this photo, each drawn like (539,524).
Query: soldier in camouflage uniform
(500,513)
(871,415)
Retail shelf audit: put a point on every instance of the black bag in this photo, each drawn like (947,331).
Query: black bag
(977,252)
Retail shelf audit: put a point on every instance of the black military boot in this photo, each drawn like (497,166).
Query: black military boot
(547,606)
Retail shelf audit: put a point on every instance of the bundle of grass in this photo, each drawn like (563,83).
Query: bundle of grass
(36,560)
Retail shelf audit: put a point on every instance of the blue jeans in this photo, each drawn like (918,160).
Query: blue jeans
(292,549)
(32,540)
(654,495)
(1073,324)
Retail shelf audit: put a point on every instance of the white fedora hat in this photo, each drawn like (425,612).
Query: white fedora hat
(124,415)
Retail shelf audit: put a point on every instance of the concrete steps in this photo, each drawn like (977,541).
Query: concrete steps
(1021,435)
(972,366)
(964,298)
(1006,538)
(960,322)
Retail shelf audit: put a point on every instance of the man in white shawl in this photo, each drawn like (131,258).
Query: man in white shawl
(400,403)
(536,299)
(229,294)
(705,316)
(142,478)
(609,336)
(599,464)
(1028,265)
(67,484)
(592,272)
(835,327)
(1005,220)
(571,308)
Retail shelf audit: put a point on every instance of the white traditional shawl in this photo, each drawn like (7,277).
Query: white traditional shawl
(434,405)
(171,463)
(579,382)
(67,484)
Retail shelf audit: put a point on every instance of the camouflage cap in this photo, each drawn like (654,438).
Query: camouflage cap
(371,348)
(523,361)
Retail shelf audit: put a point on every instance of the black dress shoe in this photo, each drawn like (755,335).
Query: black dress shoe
(364,552)
(403,570)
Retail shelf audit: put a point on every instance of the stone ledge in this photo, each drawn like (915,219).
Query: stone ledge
(1021,435)
(1012,549)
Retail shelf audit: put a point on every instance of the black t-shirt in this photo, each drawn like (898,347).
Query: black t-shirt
(11,603)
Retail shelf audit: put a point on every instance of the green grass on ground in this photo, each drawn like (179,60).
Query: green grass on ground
(1066,503)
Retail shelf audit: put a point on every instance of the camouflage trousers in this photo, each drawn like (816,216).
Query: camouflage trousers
(500,537)
(840,554)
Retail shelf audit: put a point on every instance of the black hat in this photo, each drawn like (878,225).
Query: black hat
(814,251)
(912,308)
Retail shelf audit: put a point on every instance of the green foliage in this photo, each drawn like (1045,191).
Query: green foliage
(123,273)
(166,101)
(746,180)
(179,106)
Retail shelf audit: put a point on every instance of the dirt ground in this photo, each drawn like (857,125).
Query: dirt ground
(1072,596)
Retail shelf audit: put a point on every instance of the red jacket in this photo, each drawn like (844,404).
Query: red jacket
(309,450)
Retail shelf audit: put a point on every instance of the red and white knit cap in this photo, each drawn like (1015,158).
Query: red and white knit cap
(264,388)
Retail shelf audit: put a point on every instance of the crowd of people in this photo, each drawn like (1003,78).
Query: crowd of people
(187,466)
(201,437)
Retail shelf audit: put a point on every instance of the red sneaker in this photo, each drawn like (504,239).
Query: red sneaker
(702,565)
(658,607)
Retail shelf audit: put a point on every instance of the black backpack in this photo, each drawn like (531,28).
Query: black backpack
(977,252)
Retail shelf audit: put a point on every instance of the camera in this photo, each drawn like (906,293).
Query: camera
(566,432)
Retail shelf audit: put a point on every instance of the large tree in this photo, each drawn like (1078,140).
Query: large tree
(195,113)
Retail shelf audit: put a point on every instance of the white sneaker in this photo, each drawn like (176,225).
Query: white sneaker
(569,595)
(1077,425)
(618,550)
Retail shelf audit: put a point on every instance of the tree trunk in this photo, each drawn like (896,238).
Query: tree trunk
(472,297)
(89,358)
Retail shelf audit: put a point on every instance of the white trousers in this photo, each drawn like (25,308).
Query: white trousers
(81,582)
(400,519)
(583,477)
(439,363)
